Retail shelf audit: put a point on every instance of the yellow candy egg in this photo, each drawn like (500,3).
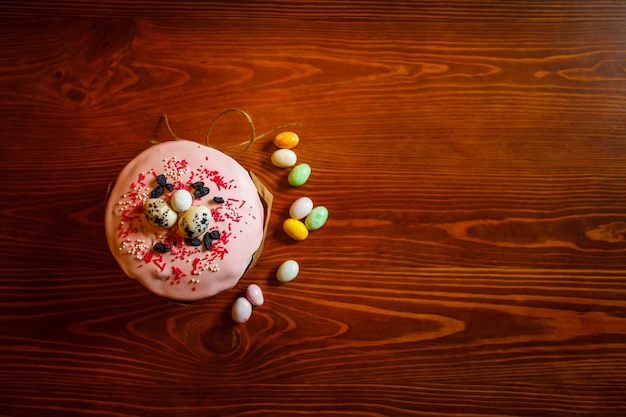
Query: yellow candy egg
(286,140)
(295,229)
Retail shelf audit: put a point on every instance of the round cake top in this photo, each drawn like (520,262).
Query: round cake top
(184,219)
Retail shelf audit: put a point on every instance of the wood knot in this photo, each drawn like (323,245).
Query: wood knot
(222,339)
(93,66)
(77,95)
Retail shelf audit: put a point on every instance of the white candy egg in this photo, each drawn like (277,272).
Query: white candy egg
(287,271)
(300,208)
(284,158)
(181,200)
(242,310)
(254,294)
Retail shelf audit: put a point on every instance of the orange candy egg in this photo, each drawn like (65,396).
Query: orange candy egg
(286,140)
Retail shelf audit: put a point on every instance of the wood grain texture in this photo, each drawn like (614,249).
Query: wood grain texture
(472,158)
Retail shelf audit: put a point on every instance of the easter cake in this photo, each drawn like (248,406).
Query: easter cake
(185,220)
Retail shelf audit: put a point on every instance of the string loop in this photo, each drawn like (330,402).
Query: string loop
(230,150)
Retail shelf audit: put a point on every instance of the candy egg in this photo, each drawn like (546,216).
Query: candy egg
(299,175)
(295,229)
(286,140)
(254,294)
(300,208)
(159,213)
(241,310)
(194,222)
(287,271)
(316,218)
(284,158)
(181,200)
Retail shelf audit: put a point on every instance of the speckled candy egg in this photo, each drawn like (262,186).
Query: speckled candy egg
(194,222)
(159,213)
(286,140)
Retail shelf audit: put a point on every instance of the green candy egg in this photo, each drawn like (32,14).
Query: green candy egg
(316,218)
(299,175)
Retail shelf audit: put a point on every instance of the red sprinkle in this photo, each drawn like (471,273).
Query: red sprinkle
(195,265)
(148,256)
(217,214)
(178,272)
(159,262)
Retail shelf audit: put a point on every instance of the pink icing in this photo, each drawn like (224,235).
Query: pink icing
(185,272)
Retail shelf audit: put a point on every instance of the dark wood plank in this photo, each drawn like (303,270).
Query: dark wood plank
(360,10)
(471,158)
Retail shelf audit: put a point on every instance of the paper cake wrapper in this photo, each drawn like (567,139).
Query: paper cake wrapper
(268,198)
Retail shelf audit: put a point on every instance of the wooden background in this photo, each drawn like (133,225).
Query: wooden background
(472,156)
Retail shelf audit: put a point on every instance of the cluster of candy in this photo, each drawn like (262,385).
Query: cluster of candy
(242,307)
(303,217)
(285,157)
(241,310)
(302,208)
(192,221)
(314,218)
